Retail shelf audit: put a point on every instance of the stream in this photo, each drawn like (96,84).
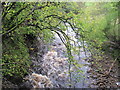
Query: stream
(55,64)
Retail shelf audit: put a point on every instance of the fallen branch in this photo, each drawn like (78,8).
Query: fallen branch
(108,73)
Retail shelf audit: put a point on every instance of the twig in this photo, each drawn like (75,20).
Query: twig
(107,73)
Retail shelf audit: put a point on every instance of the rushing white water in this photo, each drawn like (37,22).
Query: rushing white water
(79,78)
(56,67)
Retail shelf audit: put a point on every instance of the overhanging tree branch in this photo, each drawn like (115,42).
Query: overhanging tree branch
(33,9)
(6,12)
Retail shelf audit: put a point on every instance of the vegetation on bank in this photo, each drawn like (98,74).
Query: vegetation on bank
(96,23)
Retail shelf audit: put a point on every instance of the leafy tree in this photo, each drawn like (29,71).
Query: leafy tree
(23,19)
(98,25)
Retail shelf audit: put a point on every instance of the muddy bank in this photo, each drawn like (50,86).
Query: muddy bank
(104,71)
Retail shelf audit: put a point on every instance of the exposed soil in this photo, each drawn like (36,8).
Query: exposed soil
(104,70)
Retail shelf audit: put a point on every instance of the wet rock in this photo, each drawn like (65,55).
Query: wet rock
(54,45)
(59,44)
(89,71)
(95,76)
(37,81)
